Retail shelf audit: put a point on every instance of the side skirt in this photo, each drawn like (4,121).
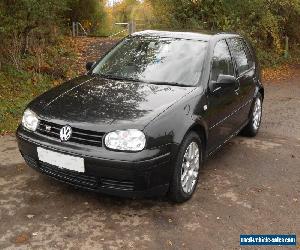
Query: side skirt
(209,154)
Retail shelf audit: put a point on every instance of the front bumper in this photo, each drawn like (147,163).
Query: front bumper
(142,174)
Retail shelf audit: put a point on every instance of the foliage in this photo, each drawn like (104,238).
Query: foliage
(18,87)
(122,11)
(36,74)
(22,18)
(264,22)
(130,10)
(34,54)
(90,13)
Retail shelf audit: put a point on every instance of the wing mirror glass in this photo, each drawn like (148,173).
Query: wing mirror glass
(89,65)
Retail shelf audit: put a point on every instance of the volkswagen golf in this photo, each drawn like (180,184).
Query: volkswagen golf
(144,117)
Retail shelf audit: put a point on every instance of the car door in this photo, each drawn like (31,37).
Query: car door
(222,101)
(245,71)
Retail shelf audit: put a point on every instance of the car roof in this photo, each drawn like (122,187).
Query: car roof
(203,36)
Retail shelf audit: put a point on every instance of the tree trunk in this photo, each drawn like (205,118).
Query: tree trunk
(25,39)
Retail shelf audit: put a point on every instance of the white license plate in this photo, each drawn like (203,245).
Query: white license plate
(61,160)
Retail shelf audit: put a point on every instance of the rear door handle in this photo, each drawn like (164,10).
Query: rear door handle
(237,91)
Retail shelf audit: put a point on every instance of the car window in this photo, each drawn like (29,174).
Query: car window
(243,60)
(249,55)
(154,59)
(222,63)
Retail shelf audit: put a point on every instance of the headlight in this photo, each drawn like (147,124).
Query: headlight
(30,120)
(126,140)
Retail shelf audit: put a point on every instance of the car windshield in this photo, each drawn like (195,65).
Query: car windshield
(154,60)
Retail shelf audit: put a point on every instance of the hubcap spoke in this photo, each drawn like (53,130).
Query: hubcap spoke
(190,185)
(185,180)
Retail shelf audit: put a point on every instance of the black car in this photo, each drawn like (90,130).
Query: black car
(145,116)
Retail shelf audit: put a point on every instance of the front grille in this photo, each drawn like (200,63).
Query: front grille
(71,177)
(116,184)
(79,136)
(79,179)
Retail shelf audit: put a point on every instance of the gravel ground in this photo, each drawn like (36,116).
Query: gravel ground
(249,186)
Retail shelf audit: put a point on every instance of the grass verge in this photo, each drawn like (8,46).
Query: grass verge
(34,75)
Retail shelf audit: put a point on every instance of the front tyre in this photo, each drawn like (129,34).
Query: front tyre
(253,126)
(186,173)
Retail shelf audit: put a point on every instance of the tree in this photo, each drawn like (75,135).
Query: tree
(122,11)
(264,22)
(90,13)
(21,17)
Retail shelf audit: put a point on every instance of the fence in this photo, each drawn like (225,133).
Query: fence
(78,30)
(128,28)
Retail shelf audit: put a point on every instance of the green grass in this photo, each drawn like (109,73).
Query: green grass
(21,85)
(18,88)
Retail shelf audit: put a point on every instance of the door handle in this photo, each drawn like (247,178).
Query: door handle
(238,89)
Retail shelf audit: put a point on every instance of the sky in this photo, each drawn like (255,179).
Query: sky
(111,2)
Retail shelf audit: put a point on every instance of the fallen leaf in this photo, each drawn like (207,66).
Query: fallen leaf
(22,238)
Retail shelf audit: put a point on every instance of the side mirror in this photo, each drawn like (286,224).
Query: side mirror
(223,82)
(89,65)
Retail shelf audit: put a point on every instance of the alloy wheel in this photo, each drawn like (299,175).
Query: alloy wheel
(190,167)
(257,111)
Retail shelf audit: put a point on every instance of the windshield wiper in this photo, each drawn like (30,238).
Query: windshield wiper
(117,78)
(171,83)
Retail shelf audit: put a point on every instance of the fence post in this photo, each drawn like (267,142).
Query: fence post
(73,29)
(131,27)
(77,29)
(286,49)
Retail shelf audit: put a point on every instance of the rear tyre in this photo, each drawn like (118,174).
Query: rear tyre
(186,173)
(253,125)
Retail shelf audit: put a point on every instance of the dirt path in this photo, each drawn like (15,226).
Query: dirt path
(91,49)
(249,186)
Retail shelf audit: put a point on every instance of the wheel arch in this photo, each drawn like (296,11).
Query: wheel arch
(201,130)
(262,92)
(259,88)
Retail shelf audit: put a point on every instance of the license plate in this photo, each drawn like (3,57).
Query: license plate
(61,160)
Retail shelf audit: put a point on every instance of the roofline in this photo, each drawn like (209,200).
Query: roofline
(186,35)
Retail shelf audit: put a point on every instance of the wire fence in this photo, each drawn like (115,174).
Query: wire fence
(123,30)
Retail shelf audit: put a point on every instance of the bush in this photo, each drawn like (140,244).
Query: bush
(35,51)
(264,22)
(35,75)
(90,13)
